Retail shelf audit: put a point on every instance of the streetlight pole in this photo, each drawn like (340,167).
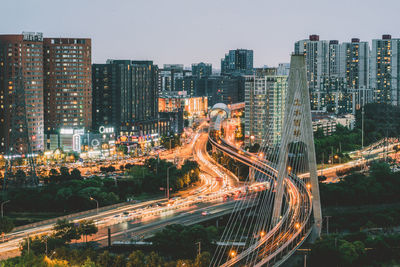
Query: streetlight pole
(97,205)
(168,181)
(2,207)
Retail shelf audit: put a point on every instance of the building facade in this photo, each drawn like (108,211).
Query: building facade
(337,73)
(201,69)
(169,75)
(237,61)
(21,93)
(126,96)
(385,70)
(67,83)
(264,108)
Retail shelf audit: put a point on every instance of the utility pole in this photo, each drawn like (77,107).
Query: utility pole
(327,224)
(198,248)
(46,237)
(168,181)
(2,207)
(28,244)
(362,126)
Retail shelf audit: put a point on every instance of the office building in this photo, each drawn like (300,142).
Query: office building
(21,92)
(169,75)
(201,69)
(67,83)
(239,61)
(173,101)
(126,96)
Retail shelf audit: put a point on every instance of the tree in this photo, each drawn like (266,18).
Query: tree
(64,171)
(184,263)
(154,260)
(65,231)
(119,261)
(6,225)
(20,178)
(88,263)
(136,258)
(87,228)
(203,260)
(76,174)
(105,259)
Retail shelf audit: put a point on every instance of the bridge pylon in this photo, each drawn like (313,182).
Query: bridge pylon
(297,129)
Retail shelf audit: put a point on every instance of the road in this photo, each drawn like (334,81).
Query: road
(152,215)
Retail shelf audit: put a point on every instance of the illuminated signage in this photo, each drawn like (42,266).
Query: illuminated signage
(71,131)
(104,129)
(66,131)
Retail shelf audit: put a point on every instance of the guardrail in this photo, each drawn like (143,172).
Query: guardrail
(69,216)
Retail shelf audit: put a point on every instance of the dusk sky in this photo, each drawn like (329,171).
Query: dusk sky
(187,31)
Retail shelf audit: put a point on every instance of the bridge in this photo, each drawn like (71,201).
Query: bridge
(284,216)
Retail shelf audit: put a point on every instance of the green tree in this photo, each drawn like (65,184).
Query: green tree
(20,178)
(88,263)
(76,174)
(105,259)
(65,231)
(203,260)
(184,263)
(119,261)
(136,258)
(87,228)
(154,260)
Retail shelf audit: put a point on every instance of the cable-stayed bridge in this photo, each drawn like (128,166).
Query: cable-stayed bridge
(284,216)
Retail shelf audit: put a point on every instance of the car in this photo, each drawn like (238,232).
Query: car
(205,213)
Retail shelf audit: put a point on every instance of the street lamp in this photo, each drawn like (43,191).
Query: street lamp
(168,180)
(97,204)
(2,207)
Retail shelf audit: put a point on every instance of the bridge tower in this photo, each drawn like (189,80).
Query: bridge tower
(298,128)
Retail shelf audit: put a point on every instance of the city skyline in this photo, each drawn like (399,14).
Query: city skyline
(230,24)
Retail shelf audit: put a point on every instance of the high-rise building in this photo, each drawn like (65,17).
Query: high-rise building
(67,83)
(337,73)
(21,72)
(237,61)
(264,108)
(354,65)
(169,76)
(125,95)
(385,70)
(201,70)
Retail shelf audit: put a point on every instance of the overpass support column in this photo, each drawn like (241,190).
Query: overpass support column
(251,175)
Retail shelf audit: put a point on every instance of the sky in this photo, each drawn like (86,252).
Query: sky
(192,31)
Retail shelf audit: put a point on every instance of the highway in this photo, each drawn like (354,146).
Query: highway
(293,227)
(142,219)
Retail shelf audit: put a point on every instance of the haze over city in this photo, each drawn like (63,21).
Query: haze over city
(184,32)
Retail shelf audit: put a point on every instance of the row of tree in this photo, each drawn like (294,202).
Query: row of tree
(381,185)
(357,249)
(176,246)
(67,191)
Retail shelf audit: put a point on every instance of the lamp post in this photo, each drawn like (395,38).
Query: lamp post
(2,207)
(97,204)
(168,181)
